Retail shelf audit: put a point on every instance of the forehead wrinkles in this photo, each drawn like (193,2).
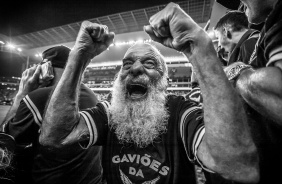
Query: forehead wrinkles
(140,51)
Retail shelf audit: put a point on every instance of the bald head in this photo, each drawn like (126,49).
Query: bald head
(146,50)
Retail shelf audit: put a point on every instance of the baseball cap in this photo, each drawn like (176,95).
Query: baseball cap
(58,55)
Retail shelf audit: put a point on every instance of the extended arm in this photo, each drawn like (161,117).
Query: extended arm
(227,147)
(61,123)
(29,82)
(262,90)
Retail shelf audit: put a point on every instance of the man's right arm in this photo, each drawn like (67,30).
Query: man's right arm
(62,123)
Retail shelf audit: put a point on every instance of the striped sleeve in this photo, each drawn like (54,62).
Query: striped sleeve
(96,120)
(275,55)
(34,110)
(192,130)
(191,122)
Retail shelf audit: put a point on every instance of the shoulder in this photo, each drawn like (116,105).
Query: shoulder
(271,37)
(38,97)
(39,93)
(87,97)
(179,104)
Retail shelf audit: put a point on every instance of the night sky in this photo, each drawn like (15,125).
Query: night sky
(21,17)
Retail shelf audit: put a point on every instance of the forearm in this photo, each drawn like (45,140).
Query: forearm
(262,90)
(62,111)
(13,110)
(227,138)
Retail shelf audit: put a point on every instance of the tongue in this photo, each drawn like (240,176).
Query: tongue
(136,94)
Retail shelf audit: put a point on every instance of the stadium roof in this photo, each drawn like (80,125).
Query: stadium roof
(127,25)
(124,22)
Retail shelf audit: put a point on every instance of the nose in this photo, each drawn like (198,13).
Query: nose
(137,69)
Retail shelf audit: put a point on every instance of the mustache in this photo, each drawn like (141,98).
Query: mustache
(143,79)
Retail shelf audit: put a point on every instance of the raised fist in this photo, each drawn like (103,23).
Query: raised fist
(173,28)
(93,38)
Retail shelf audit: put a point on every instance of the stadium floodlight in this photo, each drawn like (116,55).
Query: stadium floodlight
(10,46)
(2,42)
(19,49)
(140,41)
(131,42)
(36,55)
(120,43)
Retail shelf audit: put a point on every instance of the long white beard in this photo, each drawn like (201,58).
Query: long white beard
(139,122)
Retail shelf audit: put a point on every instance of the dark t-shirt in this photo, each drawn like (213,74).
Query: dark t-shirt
(244,48)
(269,47)
(69,165)
(267,134)
(165,161)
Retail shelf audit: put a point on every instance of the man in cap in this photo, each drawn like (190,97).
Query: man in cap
(150,136)
(35,163)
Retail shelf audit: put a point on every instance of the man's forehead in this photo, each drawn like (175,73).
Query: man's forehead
(141,49)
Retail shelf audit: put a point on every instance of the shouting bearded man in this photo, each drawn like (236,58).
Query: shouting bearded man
(149,136)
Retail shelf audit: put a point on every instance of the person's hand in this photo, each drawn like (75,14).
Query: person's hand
(173,28)
(233,71)
(30,81)
(93,38)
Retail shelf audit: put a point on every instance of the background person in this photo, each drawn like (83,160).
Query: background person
(235,36)
(259,84)
(37,164)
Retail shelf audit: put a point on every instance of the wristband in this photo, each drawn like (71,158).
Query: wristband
(235,71)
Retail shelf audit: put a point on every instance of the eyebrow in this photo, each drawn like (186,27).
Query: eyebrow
(126,59)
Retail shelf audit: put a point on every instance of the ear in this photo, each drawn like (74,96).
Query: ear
(229,35)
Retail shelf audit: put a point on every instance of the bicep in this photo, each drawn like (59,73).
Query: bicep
(80,134)
(91,129)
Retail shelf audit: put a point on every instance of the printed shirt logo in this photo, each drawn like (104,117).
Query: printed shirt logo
(141,168)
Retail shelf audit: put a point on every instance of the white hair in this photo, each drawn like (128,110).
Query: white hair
(139,122)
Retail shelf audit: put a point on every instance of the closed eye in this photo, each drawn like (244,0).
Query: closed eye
(149,64)
(127,64)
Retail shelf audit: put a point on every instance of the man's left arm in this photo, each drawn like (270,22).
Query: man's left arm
(262,90)
(227,146)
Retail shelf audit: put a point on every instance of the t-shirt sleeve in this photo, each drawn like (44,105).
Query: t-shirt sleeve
(195,95)
(96,120)
(22,126)
(273,43)
(191,127)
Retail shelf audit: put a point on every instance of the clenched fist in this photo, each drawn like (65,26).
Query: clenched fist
(93,38)
(173,28)
(30,80)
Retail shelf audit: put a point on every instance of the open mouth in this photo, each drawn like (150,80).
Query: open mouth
(136,91)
